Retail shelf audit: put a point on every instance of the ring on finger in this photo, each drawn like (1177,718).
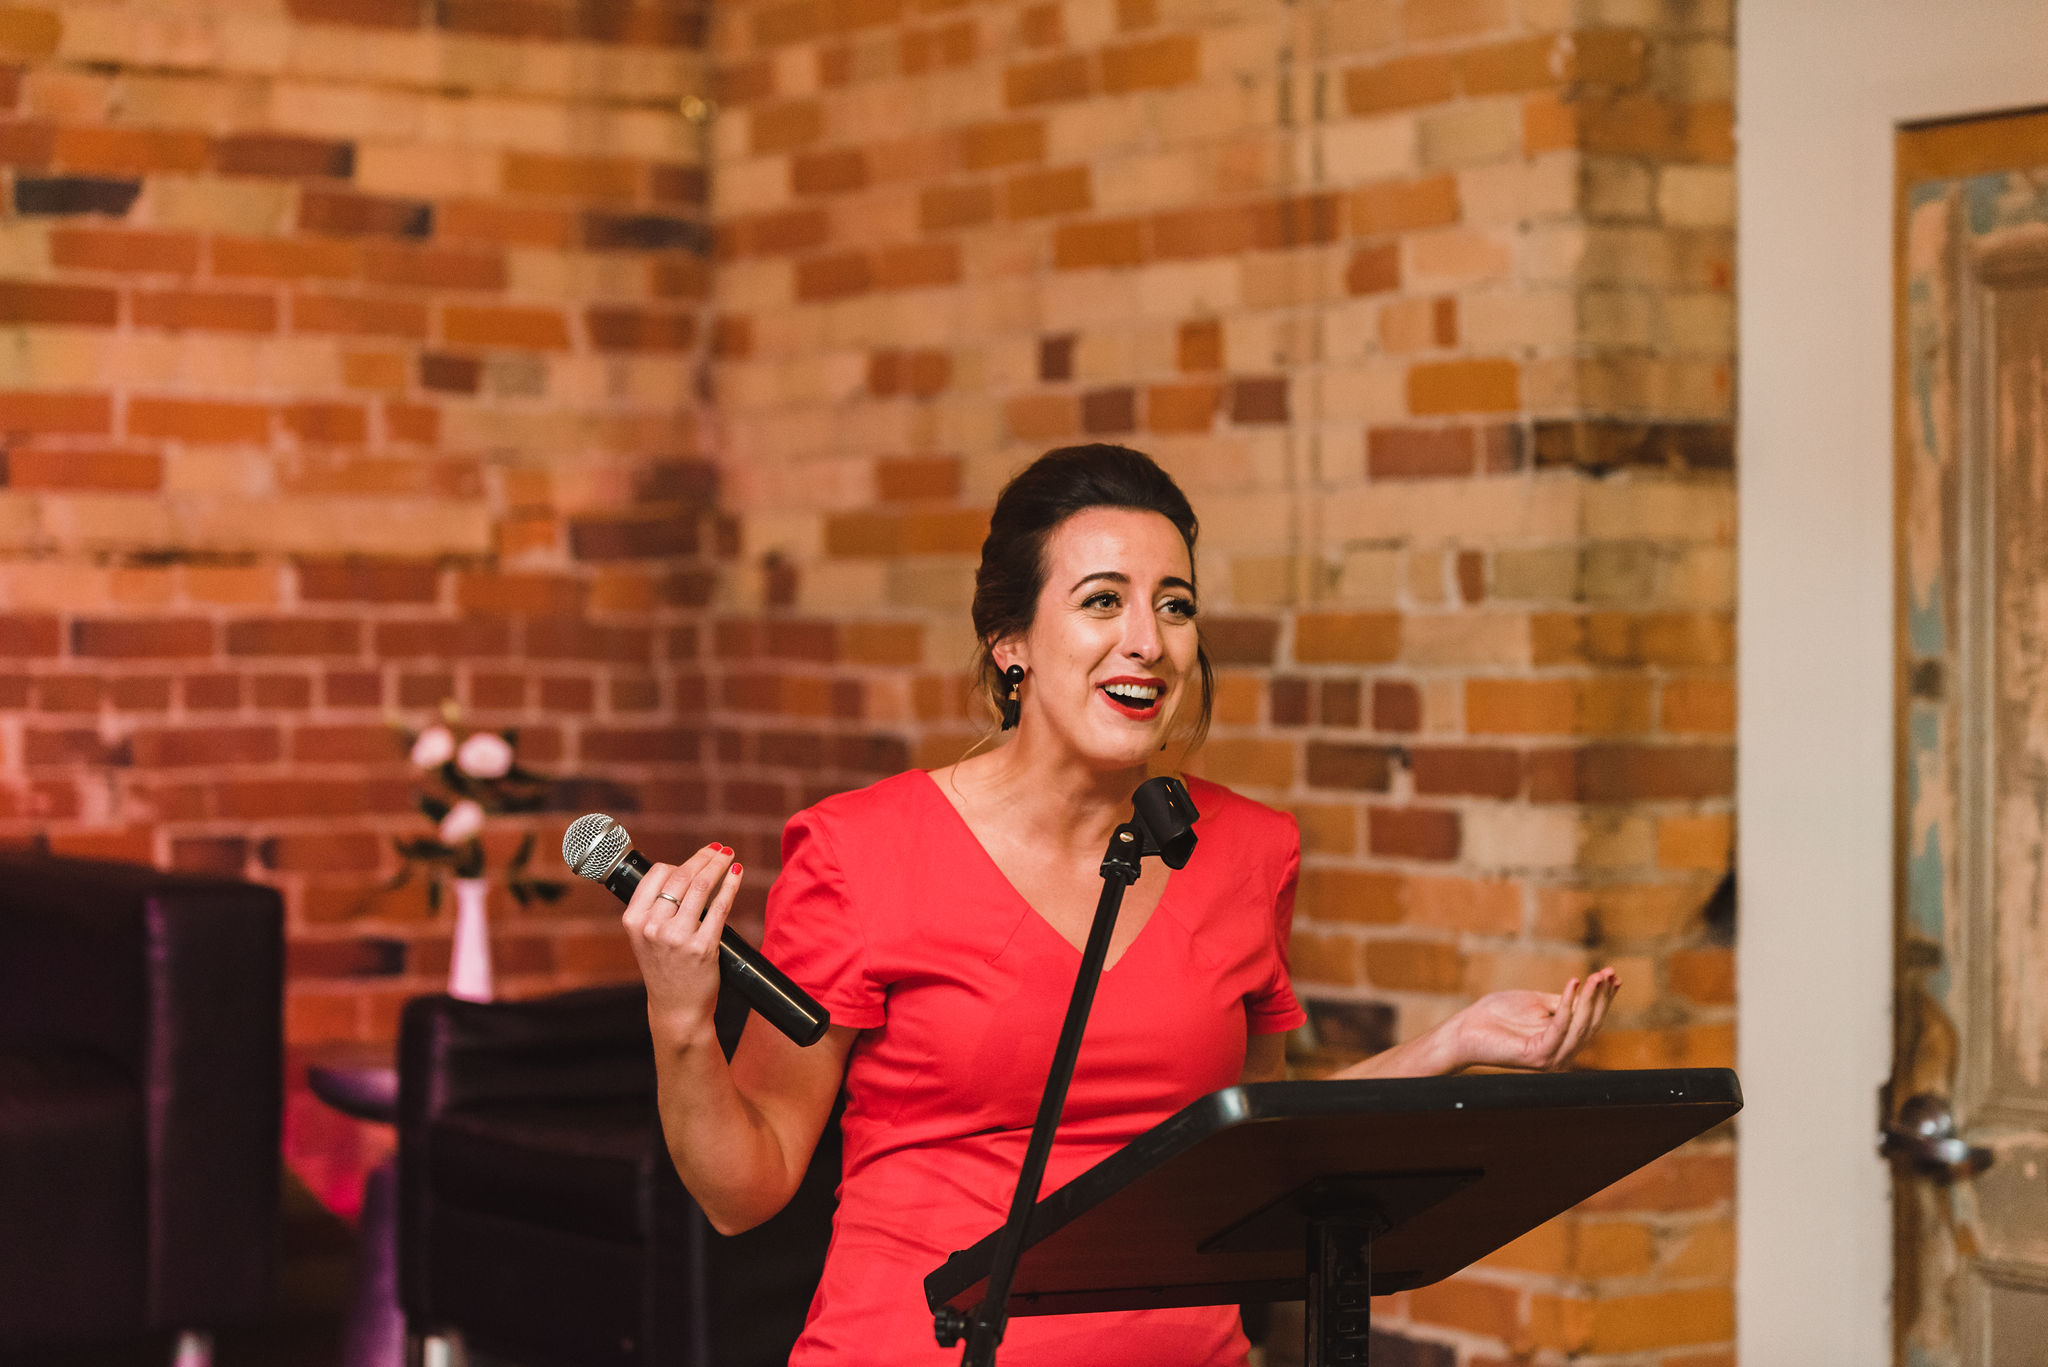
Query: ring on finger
(665,897)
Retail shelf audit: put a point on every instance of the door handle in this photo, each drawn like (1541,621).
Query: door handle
(1924,1138)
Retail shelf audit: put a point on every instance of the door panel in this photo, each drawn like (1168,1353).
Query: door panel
(1972,964)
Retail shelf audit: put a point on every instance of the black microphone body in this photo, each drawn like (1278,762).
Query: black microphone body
(767,988)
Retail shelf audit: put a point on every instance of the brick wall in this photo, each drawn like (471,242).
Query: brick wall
(1428,305)
(350,363)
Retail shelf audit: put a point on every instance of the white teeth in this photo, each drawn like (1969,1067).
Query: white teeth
(1132,693)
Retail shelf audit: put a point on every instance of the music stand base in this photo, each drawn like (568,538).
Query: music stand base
(1337,1319)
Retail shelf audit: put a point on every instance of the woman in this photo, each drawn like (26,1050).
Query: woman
(939,917)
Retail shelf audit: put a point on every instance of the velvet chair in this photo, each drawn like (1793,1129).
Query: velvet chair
(140,1101)
(540,1217)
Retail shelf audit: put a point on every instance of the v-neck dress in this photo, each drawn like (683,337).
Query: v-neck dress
(894,917)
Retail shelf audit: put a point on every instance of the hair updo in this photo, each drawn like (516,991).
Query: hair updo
(1060,483)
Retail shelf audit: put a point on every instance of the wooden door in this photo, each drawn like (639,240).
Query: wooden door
(1971,1200)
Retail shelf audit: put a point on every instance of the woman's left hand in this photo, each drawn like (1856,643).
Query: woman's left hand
(1538,1030)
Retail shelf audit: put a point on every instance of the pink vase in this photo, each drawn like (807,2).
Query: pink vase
(469,968)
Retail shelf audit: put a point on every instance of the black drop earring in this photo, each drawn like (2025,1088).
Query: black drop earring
(1013,705)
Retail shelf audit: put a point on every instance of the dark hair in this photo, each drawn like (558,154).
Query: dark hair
(1044,494)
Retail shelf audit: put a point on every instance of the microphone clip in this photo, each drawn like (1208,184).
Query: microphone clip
(1162,823)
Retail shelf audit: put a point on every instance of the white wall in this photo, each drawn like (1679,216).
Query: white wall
(1822,85)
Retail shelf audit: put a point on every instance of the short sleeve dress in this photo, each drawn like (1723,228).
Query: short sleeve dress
(889,911)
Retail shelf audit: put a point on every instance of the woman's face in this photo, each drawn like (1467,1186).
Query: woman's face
(1110,656)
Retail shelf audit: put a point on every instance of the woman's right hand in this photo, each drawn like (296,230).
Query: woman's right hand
(673,922)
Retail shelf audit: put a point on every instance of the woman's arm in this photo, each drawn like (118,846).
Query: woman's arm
(1536,1030)
(740,1134)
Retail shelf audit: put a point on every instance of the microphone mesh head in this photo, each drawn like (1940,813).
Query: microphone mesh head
(594,844)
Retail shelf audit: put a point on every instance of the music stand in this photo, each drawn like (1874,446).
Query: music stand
(1332,1192)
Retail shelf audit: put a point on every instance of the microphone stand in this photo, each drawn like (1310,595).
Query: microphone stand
(1128,845)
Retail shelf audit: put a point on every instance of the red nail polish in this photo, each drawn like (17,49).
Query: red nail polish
(739,868)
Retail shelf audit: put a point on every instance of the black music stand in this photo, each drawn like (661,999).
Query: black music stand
(1332,1192)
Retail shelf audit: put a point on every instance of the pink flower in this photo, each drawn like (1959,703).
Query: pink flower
(434,748)
(485,755)
(464,820)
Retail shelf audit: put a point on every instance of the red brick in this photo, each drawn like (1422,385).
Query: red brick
(1359,768)
(295,636)
(633,329)
(1181,407)
(1413,832)
(523,225)
(283,154)
(1261,399)
(1399,206)
(1041,26)
(1347,637)
(521,594)
(345,213)
(955,206)
(1207,231)
(1374,269)
(198,420)
(1109,412)
(29,468)
(1104,242)
(365,13)
(1396,707)
(138,638)
(115,249)
(85,414)
(1039,194)
(571,177)
(446,638)
(209,745)
(784,127)
(284,258)
(367,581)
(1002,143)
(345,744)
(1401,83)
(67,693)
(1466,771)
(1198,345)
(931,49)
(833,277)
(1420,452)
(907,267)
(23,301)
(504,326)
(1414,966)
(641,745)
(1704,976)
(132,149)
(328,852)
(211,692)
(359,315)
(455,268)
(1241,640)
(1470,386)
(1057,78)
(916,478)
(141,693)
(828,173)
(204,310)
(1155,64)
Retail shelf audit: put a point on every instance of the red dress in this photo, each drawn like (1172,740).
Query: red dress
(889,911)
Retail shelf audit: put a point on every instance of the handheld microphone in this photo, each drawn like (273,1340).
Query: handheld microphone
(599,849)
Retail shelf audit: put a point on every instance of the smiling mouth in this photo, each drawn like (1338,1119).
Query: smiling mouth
(1137,701)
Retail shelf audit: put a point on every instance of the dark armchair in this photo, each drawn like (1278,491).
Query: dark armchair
(540,1216)
(140,1100)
